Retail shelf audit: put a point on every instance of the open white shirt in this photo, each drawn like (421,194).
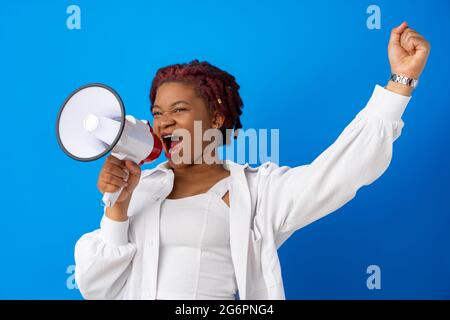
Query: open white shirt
(120,260)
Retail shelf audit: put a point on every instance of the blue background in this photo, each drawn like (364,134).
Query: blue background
(306,68)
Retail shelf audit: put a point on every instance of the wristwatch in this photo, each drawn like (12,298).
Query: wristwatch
(413,83)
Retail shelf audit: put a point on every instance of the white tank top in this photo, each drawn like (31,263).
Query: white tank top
(195,257)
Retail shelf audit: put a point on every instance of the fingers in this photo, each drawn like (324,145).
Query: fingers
(133,168)
(108,187)
(111,188)
(413,41)
(114,160)
(397,32)
(405,39)
(114,175)
(109,179)
(118,174)
(116,170)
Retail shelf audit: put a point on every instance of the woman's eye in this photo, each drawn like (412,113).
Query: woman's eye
(156,113)
(178,110)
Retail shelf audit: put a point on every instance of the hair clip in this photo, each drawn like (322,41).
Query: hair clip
(220,101)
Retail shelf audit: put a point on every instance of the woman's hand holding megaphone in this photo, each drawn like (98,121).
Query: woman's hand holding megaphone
(114,175)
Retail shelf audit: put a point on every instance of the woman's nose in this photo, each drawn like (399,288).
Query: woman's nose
(166,120)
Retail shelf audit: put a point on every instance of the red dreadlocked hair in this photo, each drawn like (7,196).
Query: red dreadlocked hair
(217,87)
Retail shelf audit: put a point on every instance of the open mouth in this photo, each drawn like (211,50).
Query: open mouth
(170,141)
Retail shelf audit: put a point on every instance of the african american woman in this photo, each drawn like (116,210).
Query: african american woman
(196,229)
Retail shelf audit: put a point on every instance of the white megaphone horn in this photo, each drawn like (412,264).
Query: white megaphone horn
(92,123)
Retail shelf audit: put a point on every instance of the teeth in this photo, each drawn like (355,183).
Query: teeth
(172,137)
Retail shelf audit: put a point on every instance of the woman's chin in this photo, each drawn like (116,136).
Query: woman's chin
(176,161)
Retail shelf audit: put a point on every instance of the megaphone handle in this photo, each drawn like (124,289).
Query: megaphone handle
(109,199)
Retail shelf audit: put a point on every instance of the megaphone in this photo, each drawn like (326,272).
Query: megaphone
(92,123)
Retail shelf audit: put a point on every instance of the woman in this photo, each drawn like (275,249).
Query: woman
(195,230)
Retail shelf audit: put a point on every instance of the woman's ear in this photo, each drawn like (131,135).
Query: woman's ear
(218,120)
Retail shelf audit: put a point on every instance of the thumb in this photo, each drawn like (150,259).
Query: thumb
(134,177)
(397,33)
(133,168)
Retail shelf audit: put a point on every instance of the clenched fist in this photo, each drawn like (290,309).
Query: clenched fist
(408,51)
(114,175)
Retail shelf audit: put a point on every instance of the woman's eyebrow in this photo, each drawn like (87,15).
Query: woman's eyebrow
(172,105)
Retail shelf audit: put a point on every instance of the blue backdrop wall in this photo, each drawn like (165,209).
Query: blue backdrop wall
(305,67)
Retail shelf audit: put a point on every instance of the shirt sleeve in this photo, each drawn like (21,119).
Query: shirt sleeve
(103,260)
(296,197)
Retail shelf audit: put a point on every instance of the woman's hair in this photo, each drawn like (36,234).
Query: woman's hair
(217,87)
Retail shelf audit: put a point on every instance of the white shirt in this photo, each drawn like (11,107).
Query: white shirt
(195,255)
(267,205)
